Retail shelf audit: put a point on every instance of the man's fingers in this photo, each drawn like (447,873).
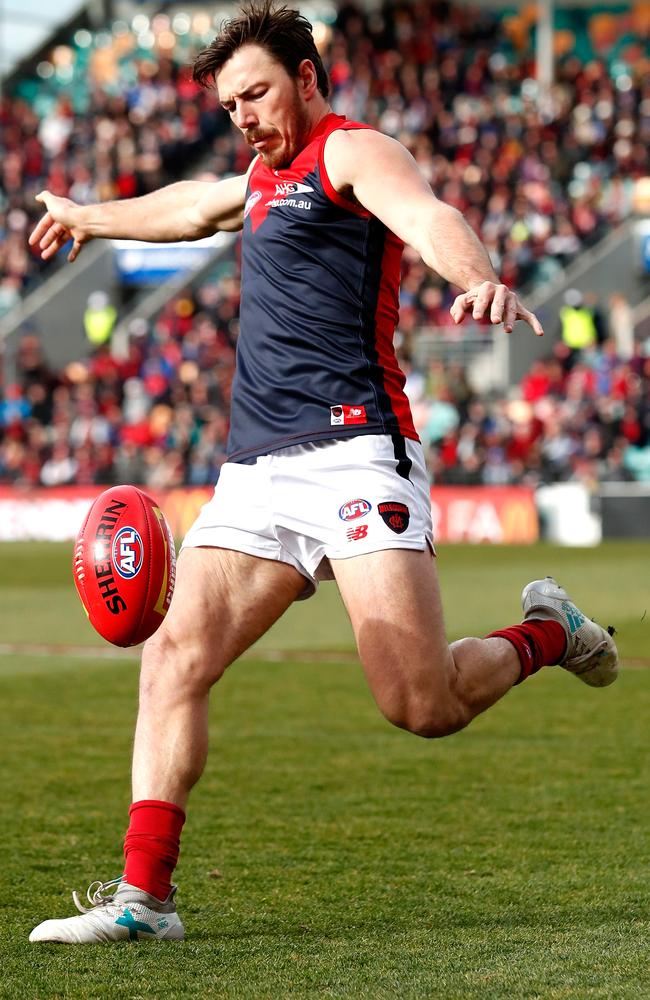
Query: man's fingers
(55,232)
(460,307)
(483,297)
(40,228)
(510,312)
(532,321)
(51,250)
(498,303)
(55,245)
(74,253)
(49,234)
(489,301)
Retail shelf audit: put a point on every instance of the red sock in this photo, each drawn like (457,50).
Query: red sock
(152,844)
(539,643)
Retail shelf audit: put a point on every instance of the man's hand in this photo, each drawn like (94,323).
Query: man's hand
(60,224)
(497,303)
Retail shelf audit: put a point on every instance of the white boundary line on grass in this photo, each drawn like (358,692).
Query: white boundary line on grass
(117,653)
(267,655)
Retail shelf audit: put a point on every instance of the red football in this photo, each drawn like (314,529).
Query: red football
(124,565)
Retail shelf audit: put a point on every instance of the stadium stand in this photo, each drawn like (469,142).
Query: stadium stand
(159,416)
(115,115)
(108,116)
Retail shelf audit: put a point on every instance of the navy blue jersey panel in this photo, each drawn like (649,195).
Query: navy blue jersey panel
(308,365)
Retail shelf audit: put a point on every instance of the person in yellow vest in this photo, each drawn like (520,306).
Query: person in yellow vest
(578,324)
(99,318)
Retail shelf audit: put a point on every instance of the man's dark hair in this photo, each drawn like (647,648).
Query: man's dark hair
(284,33)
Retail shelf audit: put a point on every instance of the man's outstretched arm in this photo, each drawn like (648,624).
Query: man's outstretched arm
(384,178)
(187,210)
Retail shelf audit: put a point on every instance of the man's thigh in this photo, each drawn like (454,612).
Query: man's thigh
(394,603)
(224,601)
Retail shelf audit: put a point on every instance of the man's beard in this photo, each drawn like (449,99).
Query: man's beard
(282,156)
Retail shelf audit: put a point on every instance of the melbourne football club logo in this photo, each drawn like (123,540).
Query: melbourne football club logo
(251,202)
(127,553)
(395,516)
(353,509)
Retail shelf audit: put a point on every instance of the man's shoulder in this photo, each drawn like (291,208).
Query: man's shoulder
(352,147)
(334,125)
(357,135)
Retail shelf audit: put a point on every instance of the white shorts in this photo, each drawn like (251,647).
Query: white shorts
(310,503)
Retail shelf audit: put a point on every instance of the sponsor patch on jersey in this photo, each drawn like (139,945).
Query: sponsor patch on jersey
(127,553)
(352,509)
(357,533)
(251,202)
(286,188)
(344,415)
(289,202)
(395,515)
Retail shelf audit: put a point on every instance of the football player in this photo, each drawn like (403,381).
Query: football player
(325,475)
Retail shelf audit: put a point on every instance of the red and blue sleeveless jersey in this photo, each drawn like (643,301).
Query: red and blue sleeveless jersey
(319,306)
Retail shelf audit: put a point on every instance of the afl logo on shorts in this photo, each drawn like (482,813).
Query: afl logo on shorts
(127,553)
(353,509)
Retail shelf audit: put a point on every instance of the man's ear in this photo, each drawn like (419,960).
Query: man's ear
(307,79)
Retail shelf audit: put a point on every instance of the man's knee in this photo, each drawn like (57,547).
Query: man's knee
(177,663)
(430,719)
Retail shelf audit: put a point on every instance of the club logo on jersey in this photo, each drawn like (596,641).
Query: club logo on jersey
(127,553)
(352,509)
(343,415)
(395,515)
(251,202)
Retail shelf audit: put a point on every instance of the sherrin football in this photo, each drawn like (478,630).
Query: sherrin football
(124,565)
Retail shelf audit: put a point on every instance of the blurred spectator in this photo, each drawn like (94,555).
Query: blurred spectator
(60,468)
(621,325)
(577,322)
(99,319)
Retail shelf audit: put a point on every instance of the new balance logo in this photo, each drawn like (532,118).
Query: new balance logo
(574,617)
(354,534)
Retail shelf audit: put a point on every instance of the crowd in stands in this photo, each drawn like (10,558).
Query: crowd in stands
(538,187)
(456,87)
(112,118)
(158,417)
(115,114)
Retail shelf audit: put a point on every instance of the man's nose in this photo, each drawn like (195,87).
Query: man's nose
(244,116)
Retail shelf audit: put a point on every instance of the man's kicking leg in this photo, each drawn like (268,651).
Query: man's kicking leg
(223,602)
(431,688)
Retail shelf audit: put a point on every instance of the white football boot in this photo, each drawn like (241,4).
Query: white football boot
(591,652)
(128,914)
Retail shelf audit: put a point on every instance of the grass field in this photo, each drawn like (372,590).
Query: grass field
(326,854)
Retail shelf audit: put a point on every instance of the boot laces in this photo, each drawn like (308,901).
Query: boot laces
(97,894)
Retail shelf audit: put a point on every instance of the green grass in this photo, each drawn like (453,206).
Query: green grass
(354,860)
